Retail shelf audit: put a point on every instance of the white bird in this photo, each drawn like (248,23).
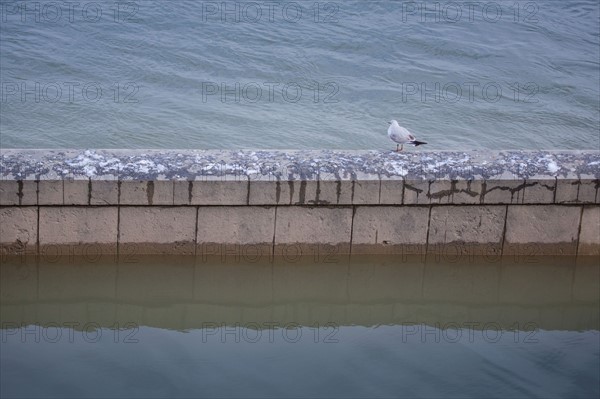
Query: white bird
(401,135)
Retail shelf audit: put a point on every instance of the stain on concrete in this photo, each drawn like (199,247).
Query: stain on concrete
(150,191)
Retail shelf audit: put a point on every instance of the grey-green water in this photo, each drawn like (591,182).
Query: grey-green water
(306,74)
(359,327)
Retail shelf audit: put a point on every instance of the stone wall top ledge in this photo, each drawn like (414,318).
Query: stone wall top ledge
(273,165)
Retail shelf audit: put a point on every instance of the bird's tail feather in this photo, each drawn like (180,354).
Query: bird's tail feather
(417,143)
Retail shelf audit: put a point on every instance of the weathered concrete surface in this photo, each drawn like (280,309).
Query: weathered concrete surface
(503,191)
(104,192)
(18,164)
(466,229)
(18,229)
(306,226)
(589,235)
(573,191)
(455,192)
(68,225)
(391,190)
(76,191)
(214,191)
(17,192)
(234,225)
(542,229)
(158,229)
(388,229)
(51,192)
(325,177)
(307,201)
(139,192)
(220,191)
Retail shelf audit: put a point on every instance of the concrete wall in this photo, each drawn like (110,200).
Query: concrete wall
(300,202)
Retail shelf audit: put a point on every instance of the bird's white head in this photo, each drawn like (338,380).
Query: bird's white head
(393,122)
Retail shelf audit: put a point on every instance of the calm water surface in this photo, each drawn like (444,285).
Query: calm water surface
(301,75)
(360,327)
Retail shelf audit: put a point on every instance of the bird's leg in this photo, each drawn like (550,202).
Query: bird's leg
(401,147)
(397,147)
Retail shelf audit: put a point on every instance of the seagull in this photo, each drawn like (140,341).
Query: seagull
(401,136)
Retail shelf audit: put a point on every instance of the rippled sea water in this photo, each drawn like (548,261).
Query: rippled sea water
(305,74)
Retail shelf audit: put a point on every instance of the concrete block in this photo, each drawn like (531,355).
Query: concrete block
(539,191)
(365,192)
(589,235)
(309,192)
(76,191)
(78,226)
(28,192)
(543,229)
(466,229)
(314,225)
(236,225)
(9,192)
(50,192)
(455,192)
(333,192)
(389,229)
(104,192)
(300,192)
(182,192)
(18,192)
(578,191)
(392,191)
(158,229)
(140,192)
(220,192)
(589,192)
(18,229)
(416,192)
(503,192)
(567,191)
(264,192)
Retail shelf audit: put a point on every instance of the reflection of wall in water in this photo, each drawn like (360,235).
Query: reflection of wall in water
(185,293)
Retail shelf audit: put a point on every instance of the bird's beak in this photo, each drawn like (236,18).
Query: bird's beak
(389,123)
